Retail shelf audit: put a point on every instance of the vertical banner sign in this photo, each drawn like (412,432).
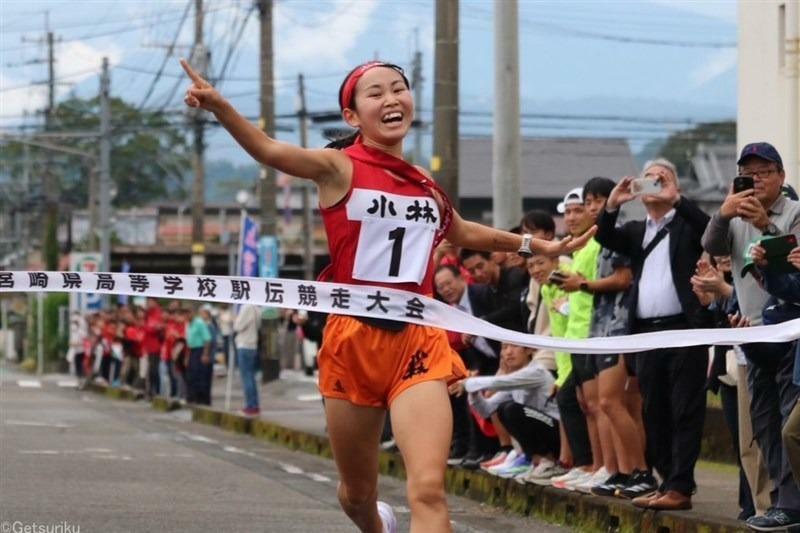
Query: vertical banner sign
(248,248)
(84,302)
(269,256)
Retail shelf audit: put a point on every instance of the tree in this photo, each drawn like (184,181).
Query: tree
(149,154)
(680,146)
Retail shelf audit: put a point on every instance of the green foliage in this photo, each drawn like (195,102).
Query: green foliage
(55,345)
(680,146)
(149,153)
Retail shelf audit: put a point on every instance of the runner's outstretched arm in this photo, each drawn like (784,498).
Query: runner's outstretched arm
(317,165)
(476,236)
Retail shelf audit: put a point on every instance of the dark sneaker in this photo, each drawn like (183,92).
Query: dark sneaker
(474,462)
(775,520)
(639,484)
(612,485)
(456,457)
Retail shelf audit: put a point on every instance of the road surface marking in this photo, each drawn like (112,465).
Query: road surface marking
(291,469)
(31,423)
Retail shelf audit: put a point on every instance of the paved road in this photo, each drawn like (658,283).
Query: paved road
(77,459)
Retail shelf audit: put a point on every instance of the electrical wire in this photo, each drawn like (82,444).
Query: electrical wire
(125,29)
(167,55)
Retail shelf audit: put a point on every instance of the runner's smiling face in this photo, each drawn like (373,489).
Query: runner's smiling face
(384,108)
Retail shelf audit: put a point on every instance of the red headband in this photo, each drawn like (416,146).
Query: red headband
(350,83)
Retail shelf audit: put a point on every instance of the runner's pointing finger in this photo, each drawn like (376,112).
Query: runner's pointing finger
(200,82)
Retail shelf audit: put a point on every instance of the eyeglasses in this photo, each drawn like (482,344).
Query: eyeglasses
(760,174)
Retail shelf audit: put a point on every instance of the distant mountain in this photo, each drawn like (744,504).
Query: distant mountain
(223,179)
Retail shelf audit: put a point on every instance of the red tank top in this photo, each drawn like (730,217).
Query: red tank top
(383,231)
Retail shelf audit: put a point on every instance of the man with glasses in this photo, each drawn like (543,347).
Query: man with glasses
(744,217)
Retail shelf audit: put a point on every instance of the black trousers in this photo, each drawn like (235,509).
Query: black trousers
(535,431)
(574,422)
(672,382)
(153,379)
(774,395)
(730,410)
(198,378)
(461,423)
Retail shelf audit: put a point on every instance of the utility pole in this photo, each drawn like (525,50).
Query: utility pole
(94,204)
(444,162)
(507,195)
(200,57)
(792,73)
(416,83)
(308,214)
(50,251)
(105,168)
(270,359)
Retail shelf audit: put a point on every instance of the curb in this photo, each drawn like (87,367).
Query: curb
(579,511)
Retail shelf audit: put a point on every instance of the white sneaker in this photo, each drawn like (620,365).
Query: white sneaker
(542,467)
(560,482)
(510,458)
(522,476)
(545,476)
(579,480)
(598,478)
(387,517)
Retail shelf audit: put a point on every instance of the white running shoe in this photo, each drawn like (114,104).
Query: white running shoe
(387,517)
(545,476)
(510,458)
(580,480)
(598,478)
(560,482)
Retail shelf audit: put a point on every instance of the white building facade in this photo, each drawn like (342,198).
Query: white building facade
(769,73)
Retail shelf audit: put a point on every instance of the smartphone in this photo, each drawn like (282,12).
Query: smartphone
(556,277)
(777,249)
(645,186)
(742,183)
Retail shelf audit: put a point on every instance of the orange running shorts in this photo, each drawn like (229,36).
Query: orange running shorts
(371,366)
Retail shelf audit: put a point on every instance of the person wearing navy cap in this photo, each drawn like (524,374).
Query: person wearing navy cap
(744,217)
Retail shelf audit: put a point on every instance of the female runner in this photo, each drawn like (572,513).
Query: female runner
(383,218)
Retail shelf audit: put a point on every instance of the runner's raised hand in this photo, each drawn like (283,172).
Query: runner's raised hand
(564,246)
(200,93)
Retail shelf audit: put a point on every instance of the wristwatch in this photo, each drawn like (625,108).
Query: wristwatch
(525,247)
(771,229)
(584,286)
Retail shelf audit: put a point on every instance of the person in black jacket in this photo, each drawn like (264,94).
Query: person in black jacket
(664,250)
(505,284)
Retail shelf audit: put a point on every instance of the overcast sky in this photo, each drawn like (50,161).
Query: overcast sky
(646,59)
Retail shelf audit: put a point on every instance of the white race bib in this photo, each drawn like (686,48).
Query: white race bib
(393,251)
(396,236)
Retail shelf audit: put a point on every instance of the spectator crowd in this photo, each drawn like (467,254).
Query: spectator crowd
(628,426)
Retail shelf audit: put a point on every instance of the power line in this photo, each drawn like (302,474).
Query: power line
(234,45)
(126,29)
(59,79)
(560,29)
(5,28)
(167,55)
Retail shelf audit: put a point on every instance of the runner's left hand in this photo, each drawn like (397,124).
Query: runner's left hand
(566,245)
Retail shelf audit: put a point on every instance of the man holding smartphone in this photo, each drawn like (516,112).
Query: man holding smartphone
(664,249)
(743,218)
